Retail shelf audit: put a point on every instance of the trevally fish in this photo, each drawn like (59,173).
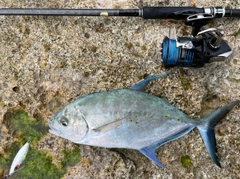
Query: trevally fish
(131,118)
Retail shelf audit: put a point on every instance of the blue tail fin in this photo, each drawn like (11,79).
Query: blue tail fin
(206,128)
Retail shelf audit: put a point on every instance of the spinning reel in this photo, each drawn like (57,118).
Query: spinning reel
(204,45)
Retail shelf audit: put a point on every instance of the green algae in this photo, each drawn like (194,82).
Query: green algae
(47,47)
(143,48)
(71,157)
(93,48)
(185,83)
(37,164)
(186,161)
(27,31)
(86,74)
(24,127)
(129,45)
(236,34)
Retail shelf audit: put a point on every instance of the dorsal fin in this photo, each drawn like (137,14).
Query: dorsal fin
(140,86)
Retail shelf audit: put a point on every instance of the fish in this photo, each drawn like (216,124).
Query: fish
(132,119)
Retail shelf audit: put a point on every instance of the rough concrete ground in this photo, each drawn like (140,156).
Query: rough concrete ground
(47,62)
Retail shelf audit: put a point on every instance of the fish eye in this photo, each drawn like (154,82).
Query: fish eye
(64,121)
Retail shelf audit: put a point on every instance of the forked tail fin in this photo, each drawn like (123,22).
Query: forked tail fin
(206,128)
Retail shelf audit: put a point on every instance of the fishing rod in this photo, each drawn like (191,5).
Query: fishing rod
(200,47)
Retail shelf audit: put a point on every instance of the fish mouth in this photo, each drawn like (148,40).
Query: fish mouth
(52,130)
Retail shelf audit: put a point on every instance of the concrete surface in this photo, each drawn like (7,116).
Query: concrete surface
(46,62)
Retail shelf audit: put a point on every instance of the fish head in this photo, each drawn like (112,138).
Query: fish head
(70,124)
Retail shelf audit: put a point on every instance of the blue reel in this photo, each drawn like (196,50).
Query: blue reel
(194,51)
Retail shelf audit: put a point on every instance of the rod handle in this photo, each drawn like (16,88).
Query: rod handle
(169,12)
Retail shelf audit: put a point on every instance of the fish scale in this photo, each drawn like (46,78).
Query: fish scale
(131,118)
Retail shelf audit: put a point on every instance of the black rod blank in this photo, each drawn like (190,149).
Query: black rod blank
(70,12)
(145,12)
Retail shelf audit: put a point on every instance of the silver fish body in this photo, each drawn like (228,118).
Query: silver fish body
(130,118)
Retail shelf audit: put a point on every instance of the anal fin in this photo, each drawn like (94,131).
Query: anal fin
(150,152)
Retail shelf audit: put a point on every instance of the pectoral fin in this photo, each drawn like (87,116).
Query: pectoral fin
(150,152)
(107,127)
